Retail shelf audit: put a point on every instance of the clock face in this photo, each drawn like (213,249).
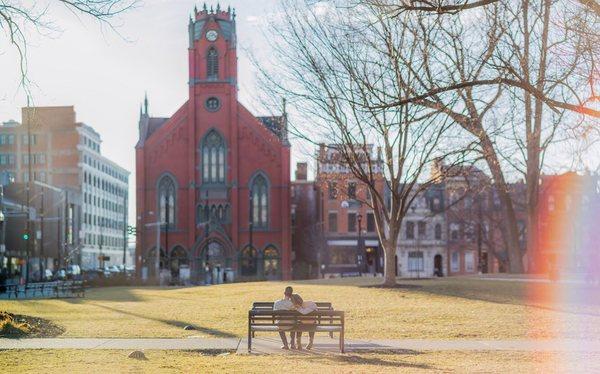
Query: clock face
(211,35)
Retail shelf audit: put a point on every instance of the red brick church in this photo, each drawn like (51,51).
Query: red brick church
(215,176)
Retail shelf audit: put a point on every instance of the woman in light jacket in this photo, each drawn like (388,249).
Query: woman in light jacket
(304,307)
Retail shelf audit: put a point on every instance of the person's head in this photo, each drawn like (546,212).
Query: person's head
(297,300)
(288,292)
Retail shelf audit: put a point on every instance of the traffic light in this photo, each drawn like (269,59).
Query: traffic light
(26,236)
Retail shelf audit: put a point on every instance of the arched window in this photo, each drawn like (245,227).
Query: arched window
(202,213)
(167,201)
(260,202)
(249,261)
(213,158)
(271,262)
(212,64)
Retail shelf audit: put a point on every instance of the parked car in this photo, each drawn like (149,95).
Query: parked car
(61,274)
(73,271)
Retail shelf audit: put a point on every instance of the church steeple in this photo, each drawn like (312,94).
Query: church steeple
(212,47)
(146,104)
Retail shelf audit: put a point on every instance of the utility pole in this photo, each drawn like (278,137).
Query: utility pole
(101,242)
(42,257)
(251,219)
(124,228)
(167,224)
(360,245)
(27,193)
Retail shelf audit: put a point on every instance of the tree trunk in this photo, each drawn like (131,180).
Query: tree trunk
(515,258)
(389,262)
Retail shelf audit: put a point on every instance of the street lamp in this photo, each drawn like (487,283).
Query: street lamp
(360,245)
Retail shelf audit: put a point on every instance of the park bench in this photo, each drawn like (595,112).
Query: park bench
(268,305)
(265,320)
(48,289)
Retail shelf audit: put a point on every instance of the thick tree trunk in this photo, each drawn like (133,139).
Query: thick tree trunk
(515,258)
(389,262)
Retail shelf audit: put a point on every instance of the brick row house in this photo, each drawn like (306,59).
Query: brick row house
(567,241)
(213,178)
(453,227)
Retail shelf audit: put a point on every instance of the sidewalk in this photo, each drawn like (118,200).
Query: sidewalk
(323,345)
(230,344)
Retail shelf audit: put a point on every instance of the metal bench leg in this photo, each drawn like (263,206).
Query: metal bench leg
(249,341)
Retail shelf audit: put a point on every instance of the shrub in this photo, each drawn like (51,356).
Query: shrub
(10,327)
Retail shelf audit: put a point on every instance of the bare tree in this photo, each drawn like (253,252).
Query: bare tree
(395,7)
(336,67)
(508,81)
(17,18)
(582,18)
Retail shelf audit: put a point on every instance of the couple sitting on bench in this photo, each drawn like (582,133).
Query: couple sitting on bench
(293,301)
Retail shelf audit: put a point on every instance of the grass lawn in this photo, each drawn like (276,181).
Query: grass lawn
(61,361)
(446,308)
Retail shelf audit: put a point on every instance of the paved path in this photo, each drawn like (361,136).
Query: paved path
(272,344)
(99,343)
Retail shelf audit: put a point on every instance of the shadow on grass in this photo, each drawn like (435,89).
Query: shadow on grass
(171,322)
(366,358)
(508,293)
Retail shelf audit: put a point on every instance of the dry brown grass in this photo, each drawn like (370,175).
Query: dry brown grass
(97,361)
(441,309)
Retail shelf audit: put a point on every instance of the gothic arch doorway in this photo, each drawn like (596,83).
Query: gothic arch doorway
(178,258)
(149,261)
(211,263)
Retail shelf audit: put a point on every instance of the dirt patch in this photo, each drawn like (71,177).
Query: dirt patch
(22,326)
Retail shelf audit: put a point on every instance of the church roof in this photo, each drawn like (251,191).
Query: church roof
(275,124)
(154,123)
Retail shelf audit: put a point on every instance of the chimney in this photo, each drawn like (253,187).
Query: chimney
(301,171)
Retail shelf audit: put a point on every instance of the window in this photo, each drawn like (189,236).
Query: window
(11,139)
(470,231)
(271,262)
(415,261)
(370,222)
(167,200)
(351,222)
(260,202)
(438,231)
(454,262)
(33,138)
(332,221)
(352,190)
(212,64)
(213,158)
(422,229)
(469,261)
(454,231)
(410,230)
(332,189)
(342,256)
(212,104)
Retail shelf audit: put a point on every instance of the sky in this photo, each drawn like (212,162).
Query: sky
(105,73)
